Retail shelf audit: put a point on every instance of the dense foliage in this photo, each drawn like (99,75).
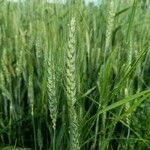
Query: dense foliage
(75,76)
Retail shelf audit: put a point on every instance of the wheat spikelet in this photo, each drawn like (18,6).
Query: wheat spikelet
(31,92)
(4,66)
(30,36)
(70,71)
(51,87)
(21,61)
(17,46)
(19,65)
(110,23)
(2,80)
(71,88)
(38,46)
(4,92)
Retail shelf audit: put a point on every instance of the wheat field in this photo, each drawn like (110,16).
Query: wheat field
(75,76)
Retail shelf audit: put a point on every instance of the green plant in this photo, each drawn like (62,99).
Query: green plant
(74,76)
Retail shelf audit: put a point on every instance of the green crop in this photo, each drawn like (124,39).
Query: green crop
(74,76)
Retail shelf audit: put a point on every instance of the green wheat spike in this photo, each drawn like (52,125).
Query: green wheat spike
(71,87)
(51,87)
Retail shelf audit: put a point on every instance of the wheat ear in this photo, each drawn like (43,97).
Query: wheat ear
(51,87)
(110,23)
(71,87)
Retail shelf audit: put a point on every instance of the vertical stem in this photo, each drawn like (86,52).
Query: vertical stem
(54,139)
